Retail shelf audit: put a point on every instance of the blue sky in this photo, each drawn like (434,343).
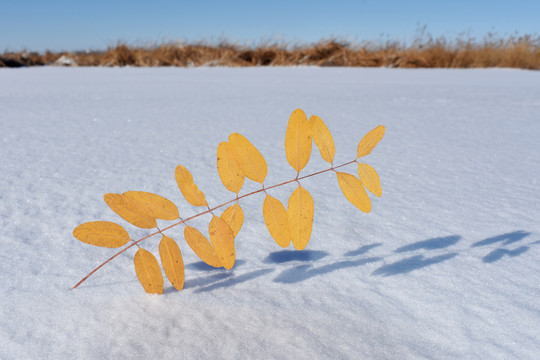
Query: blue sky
(90,25)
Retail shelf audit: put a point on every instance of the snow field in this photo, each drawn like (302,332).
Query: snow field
(445,266)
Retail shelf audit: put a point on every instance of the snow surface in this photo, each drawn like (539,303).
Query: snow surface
(444,267)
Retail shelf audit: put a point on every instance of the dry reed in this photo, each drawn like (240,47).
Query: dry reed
(512,52)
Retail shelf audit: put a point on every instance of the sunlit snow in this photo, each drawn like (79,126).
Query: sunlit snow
(446,265)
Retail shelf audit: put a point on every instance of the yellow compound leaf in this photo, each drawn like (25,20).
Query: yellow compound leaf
(191,192)
(298,140)
(156,206)
(231,174)
(234,216)
(130,210)
(171,259)
(148,272)
(275,217)
(101,233)
(222,238)
(300,217)
(354,191)
(249,158)
(369,141)
(369,177)
(201,246)
(322,138)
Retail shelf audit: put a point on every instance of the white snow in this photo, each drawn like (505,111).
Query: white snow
(444,267)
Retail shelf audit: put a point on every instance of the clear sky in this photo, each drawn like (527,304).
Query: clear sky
(59,25)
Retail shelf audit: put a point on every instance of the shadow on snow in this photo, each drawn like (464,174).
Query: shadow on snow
(362,249)
(503,240)
(419,261)
(431,244)
(498,254)
(304,272)
(202,266)
(410,264)
(284,256)
(231,281)
(304,262)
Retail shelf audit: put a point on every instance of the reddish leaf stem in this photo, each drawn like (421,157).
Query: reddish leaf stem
(206,212)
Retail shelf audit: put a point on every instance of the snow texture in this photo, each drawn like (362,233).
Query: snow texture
(444,267)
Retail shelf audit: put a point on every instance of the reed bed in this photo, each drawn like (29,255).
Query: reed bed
(512,52)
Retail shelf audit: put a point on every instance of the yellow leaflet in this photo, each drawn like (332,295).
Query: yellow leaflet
(130,210)
(191,192)
(322,138)
(354,191)
(275,217)
(231,174)
(222,238)
(234,216)
(300,217)
(298,140)
(369,141)
(369,177)
(148,272)
(201,246)
(101,233)
(249,158)
(156,206)
(171,259)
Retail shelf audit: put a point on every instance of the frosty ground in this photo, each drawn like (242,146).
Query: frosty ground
(444,267)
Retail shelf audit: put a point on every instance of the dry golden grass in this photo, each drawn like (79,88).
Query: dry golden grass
(513,52)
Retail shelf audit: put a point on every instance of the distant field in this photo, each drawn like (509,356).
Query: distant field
(511,52)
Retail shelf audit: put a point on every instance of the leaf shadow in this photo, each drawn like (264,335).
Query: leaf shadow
(498,254)
(307,271)
(202,266)
(307,258)
(284,256)
(231,281)
(207,280)
(431,244)
(504,239)
(410,264)
(362,249)
(212,279)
